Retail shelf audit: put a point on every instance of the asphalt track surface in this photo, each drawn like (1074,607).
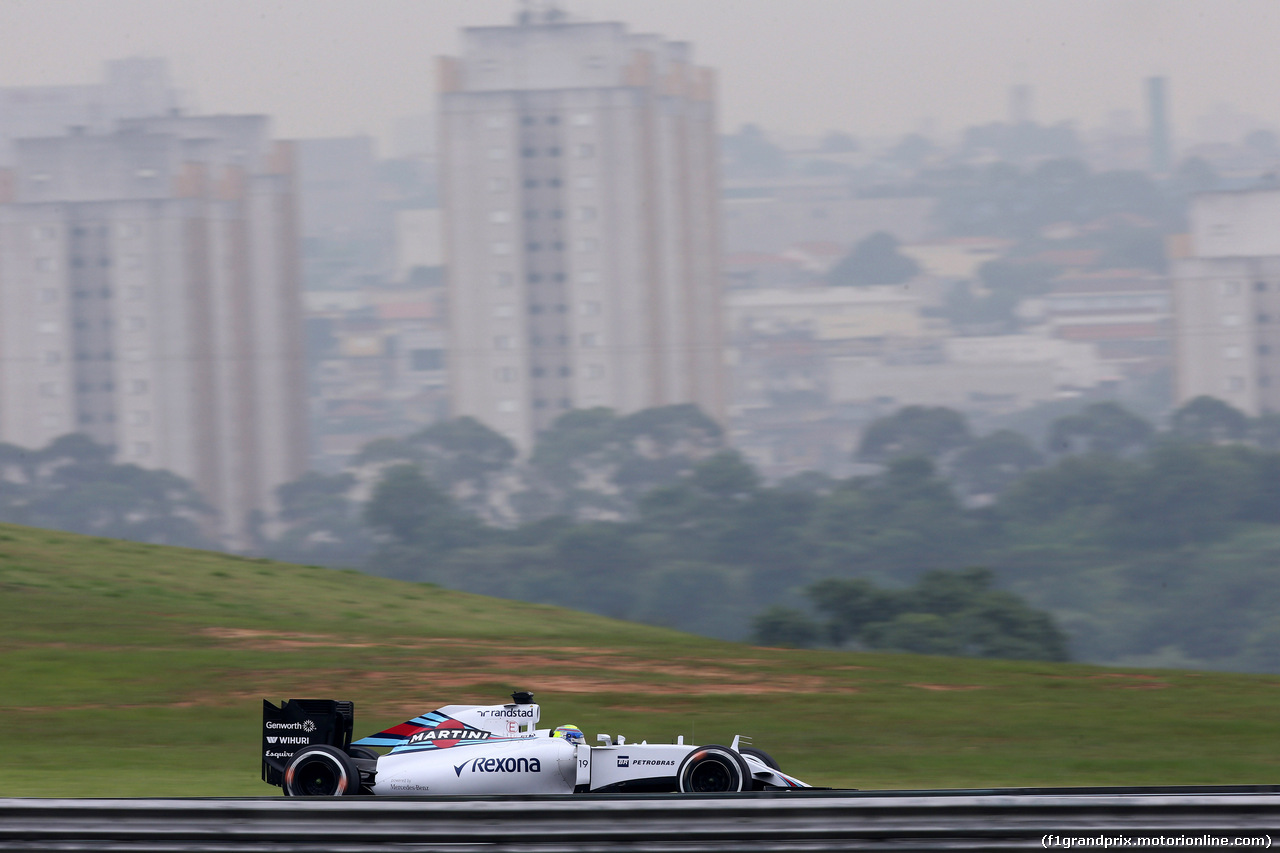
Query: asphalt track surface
(987,819)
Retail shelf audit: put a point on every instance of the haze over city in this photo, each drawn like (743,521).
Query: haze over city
(334,67)
(770,304)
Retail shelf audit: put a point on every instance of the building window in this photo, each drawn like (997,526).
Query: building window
(588,244)
(589,309)
(500,248)
(585,214)
(138,386)
(52,357)
(553,119)
(504,342)
(497,153)
(500,217)
(141,449)
(1231,319)
(426,359)
(1260,286)
(495,122)
(583,119)
(51,421)
(135,293)
(498,185)
(507,406)
(553,151)
(1235,383)
(1264,318)
(595,371)
(1232,352)
(505,374)
(565,371)
(502,279)
(584,151)
(44,232)
(135,354)
(139,418)
(47,327)
(530,151)
(48,294)
(590,340)
(589,277)
(135,324)
(584,182)
(50,389)
(505,309)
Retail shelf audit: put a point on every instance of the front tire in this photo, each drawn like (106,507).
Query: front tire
(713,769)
(321,771)
(764,757)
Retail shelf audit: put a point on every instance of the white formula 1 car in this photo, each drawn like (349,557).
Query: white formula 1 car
(466,750)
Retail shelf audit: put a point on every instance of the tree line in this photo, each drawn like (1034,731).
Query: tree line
(1109,537)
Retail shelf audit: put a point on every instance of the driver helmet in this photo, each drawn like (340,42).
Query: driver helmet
(570,732)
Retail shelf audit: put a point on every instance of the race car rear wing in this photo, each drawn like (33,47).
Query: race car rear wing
(298,723)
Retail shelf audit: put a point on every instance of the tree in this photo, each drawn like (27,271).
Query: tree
(930,431)
(1105,427)
(413,512)
(465,457)
(725,477)
(994,462)
(945,613)
(781,626)
(323,525)
(1208,420)
(850,606)
(875,260)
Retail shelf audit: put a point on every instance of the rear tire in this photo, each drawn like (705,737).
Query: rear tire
(713,769)
(321,771)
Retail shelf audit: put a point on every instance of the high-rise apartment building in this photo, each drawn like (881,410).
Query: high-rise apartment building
(149,298)
(580,188)
(1226,291)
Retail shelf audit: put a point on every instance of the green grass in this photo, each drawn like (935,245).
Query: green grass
(131,670)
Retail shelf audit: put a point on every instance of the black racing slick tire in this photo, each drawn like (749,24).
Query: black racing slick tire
(321,771)
(762,755)
(713,769)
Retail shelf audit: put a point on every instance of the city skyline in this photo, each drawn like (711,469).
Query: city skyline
(341,68)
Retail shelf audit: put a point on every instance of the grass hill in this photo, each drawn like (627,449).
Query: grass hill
(134,670)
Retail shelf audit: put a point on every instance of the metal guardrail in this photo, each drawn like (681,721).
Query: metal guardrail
(783,822)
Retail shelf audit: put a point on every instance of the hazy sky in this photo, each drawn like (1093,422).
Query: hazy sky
(868,67)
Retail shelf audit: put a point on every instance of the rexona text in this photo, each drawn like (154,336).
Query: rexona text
(501,765)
